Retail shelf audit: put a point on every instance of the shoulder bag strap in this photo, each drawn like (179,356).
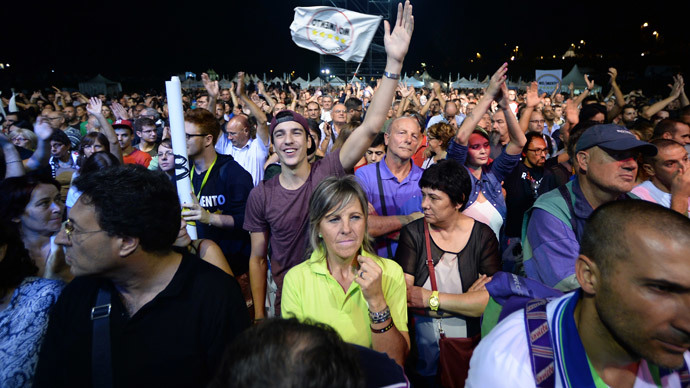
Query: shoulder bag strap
(540,345)
(563,189)
(384,212)
(429,260)
(101,368)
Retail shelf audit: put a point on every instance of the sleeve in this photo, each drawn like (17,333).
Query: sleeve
(238,189)
(504,165)
(554,250)
(290,304)
(489,257)
(457,152)
(406,254)
(502,358)
(254,216)
(366,183)
(396,295)
(146,159)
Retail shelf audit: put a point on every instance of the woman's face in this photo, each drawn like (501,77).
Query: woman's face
(43,213)
(81,111)
(183,238)
(437,206)
(93,148)
(166,158)
(434,143)
(21,141)
(105,110)
(478,150)
(343,232)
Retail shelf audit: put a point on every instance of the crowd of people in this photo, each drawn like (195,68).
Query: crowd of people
(344,234)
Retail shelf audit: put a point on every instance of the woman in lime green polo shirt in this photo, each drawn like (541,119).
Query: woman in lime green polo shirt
(343,284)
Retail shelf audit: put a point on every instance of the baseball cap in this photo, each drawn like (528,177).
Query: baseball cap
(285,116)
(123,123)
(613,137)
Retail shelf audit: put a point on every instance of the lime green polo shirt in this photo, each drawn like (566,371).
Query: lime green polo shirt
(311,292)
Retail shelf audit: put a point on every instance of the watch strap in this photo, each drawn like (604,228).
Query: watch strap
(391,75)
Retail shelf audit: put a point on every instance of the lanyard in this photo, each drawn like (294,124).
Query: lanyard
(203,182)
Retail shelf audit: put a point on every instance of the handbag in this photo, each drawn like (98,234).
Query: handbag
(454,353)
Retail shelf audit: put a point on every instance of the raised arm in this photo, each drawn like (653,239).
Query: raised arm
(213,91)
(258,113)
(517,135)
(620,99)
(683,98)
(94,108)
(531,101)
(650,111)
(41,156)
(396,42)
(262,91)
(471,121)
(590,85)
(13,162)
(426,106)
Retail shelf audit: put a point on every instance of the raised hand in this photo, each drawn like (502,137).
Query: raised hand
(369,279)
(502,97)
(397,41)
(119,111)
(211,86)
(240,91)
(497,79)
(94,106)
(613,73)
(590,84)
(42,129)
(572,113)
(532,96)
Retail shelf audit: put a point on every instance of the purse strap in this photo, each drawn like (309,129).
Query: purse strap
(540,345)
(102,367)
(429,260)
(382,199)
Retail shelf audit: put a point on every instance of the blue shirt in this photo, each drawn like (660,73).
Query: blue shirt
(459,118)
(490,182)
(401,198)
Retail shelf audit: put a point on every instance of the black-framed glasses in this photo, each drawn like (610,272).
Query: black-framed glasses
(69,230)
(538,150)
(191,135)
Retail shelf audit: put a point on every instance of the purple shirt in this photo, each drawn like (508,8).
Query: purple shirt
(401,198)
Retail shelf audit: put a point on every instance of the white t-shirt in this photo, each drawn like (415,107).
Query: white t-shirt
(647,191)
(251,157)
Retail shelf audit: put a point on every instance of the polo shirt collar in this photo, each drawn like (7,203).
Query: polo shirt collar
(415,173)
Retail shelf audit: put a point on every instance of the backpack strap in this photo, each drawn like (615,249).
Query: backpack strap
(384,212)
(102,368)
(540,345)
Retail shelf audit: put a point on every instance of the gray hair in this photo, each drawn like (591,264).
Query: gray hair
(330,197)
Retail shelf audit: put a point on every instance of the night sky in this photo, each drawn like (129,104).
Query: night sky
(140,40)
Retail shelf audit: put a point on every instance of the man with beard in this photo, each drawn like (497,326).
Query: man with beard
(627,326)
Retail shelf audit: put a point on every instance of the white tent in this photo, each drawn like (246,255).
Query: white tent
(276,80)
(316,82)
(412,81)
(577,77)
(337,81)
(99,85)
(301,82)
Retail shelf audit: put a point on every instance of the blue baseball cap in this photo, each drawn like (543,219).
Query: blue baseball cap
(613,137)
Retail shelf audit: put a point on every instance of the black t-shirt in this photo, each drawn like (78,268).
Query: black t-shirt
(520,188)
(226,191)
(175,340)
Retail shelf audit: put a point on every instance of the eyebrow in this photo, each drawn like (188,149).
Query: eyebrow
(671,285)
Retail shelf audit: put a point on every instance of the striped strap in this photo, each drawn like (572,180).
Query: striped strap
(540,345)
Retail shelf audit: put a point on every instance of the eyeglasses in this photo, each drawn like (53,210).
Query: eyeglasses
(190,135)
(539,151)
(69,230)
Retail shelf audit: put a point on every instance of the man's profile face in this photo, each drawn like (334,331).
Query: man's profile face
(202,102)
(643,298)
(611,171)
(403,137)
(682,134)
(220,111)
(375,154)
(89,250)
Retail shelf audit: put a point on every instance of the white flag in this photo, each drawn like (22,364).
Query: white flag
(334,31)
(548,80)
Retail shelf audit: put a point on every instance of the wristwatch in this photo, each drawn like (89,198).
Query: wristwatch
(433,301)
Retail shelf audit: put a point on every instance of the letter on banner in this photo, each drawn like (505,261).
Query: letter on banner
(334,31)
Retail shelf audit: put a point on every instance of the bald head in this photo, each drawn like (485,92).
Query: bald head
(238,130)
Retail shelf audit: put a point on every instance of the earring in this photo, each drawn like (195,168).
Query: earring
(320,235)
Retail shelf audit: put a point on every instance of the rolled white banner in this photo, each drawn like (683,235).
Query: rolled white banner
(173,89)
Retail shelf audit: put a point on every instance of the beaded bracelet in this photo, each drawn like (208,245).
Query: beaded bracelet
(385,329)
(381,316)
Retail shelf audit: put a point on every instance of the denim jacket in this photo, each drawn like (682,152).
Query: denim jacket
(492,176)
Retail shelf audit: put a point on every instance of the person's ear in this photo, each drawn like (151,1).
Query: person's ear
(648,169)
(128,245)
(588,274)
(583,158)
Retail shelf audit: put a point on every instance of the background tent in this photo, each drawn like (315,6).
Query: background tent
(303,84)
(577,77)
(100,85)
(336,81)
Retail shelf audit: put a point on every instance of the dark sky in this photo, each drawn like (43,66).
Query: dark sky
(143,39)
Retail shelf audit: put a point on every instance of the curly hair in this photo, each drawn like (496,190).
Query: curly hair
(443,132)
